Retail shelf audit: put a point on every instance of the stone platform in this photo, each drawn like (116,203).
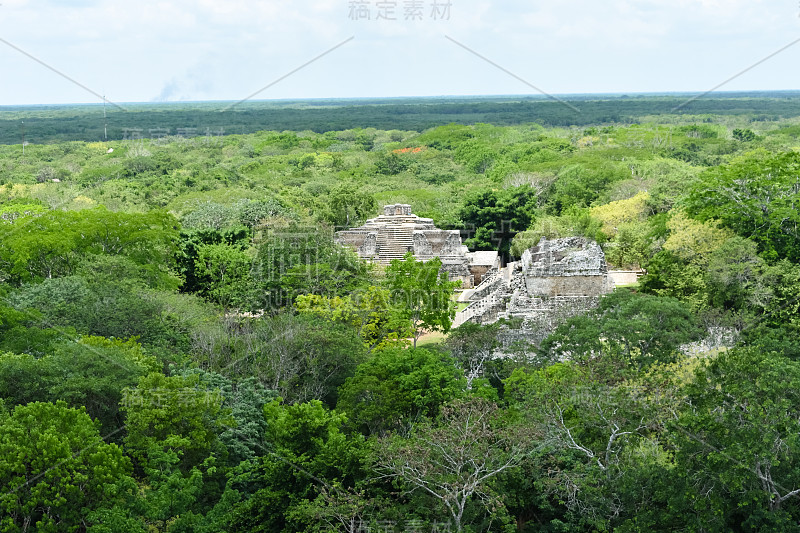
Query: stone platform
(554,281)
(398,231)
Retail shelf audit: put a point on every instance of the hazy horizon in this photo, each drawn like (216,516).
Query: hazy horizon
(714,94)
(75,51)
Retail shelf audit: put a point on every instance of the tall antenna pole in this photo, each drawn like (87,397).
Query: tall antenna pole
(105,121)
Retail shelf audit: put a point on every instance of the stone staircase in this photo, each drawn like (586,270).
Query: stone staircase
(394,241)
(485,310)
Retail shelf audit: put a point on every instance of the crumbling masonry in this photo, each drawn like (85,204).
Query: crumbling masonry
(554,281)
(398,231)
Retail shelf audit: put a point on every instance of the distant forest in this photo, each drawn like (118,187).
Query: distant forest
(49,124)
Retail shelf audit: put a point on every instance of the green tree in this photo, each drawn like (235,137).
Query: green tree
(475,155)
(101,307)
(642,329)
(367,311)
(744,135)
(680,269)
(758,197)
(245,398)
(455,459)
(54,468)
(299,356)
(304,260)
(228,270)
(777,324)
(16,209)
(596,428)
(188,250)
(735,277)
(737,442)
(53,244)
(349,206)
(176,414)
(473,346)
(398,386)
(305,453)
(580,185)
(390,164)
(497,216)
(87,374)
(421,294)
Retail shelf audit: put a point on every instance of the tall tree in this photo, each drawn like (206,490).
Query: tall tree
(55,467)
(348,206)
(473,346)
(737,440)
(396,387)
(422,294)
(494,217)
(228,270)
(305,456)
(455,459)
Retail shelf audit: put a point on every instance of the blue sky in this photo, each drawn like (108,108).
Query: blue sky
(173,50)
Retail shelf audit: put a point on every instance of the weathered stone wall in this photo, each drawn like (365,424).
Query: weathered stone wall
(573,256)
(452,245)
(397,210)
(625,277)
(544,316)
(566,285)
(436,240)
(422,245)
(458,270)
(555,281)
(353,238)
(370,246)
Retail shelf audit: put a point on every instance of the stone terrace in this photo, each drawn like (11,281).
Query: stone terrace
(398,231)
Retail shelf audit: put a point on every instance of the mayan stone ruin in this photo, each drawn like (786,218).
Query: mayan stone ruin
(554,281)
(398,231)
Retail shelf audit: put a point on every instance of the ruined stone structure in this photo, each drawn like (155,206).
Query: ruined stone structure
(398,231)
(481,263)
(554,281)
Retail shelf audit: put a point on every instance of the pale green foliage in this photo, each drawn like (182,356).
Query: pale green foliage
(53,244)
(9,213)
(693,241)
(576,222)
(368,311)
(616,214)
